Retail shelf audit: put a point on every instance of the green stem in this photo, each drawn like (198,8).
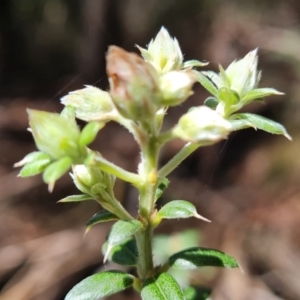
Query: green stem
(132,127)
(116,208)
(177,159)
(147,190)
(109,167)
(144,245)
(165,137)
(148,173)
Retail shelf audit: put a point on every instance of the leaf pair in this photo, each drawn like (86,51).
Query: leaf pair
(159,287)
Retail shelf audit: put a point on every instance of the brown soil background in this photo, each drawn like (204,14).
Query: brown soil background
(248,186)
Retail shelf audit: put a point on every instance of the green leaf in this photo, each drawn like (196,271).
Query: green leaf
(76,198)
(179,209)
(125,254)
(207,84)
(223,77)
(162,287)
(195,257)
(33,157)
(194,63)
(240,124)
(55,134)
(228,96)
(196,293)
(34,168)
(262,123)
(161,188)
(89,133)
(100,285)
(120,232)
(211,102)
(260,93)
(101,217)
(56,170)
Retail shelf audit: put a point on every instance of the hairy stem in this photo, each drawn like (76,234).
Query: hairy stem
(109,167)
(148,172)
(177,159)
(144,245)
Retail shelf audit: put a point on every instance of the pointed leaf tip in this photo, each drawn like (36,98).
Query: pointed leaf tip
(262,123)
(179,209)
(125,254)
(195,257)
(75,198)
(106,255)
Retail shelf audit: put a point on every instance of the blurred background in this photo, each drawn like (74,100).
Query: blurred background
(248,185)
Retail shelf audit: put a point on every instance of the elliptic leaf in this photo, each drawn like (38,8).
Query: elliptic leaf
(120,232)
(100,217)
(33,157)
(34,168)
(76,198)
(260,93)
(240,124)
(100,285)
(162,287)
(207,84)
(195,257)
(263,123)
(179,209)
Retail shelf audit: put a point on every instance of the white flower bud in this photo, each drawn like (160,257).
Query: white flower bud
(90,103)
(202,125)
(163,52)
(242,74)
(176,86)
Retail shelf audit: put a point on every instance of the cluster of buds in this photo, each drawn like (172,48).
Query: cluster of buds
(236,86)
(141,90)
(93,182)
(60,141)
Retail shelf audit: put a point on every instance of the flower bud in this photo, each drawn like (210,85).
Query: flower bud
(133,84)
(176,86)
(92,181)
(202,125)
(55,134)
(163,52)
(236,86)
(90,103)
(242,75)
